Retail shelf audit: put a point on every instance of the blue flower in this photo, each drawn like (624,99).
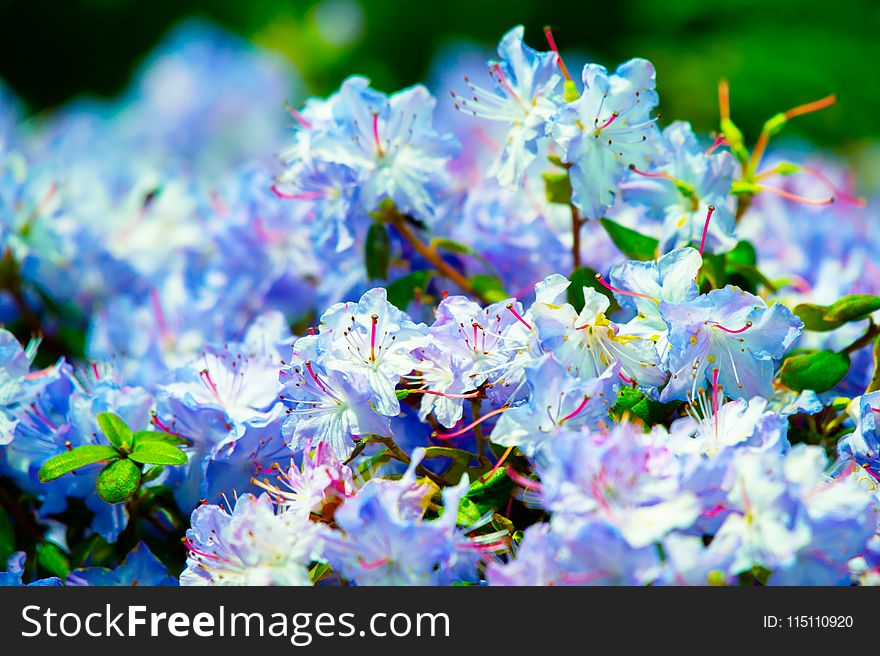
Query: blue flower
(526,93)
(140,568)
(728,338)
(253,543)
(680,190)
(558,403)
(863,444)
(12,577)
(607,129)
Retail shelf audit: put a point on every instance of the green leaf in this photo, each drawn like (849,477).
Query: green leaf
(743,254)
(468,513)
(377,252)
(627,398)
(557,187)
(442,243)
(631,243)
(145,436)
(714,269)
(118,481)
(158,453)
(53,560)
(152,474)
(489,287)
(74,459)
(813,317)
(403,291)
(653,412)
(586,277)
(116,430)
(853,307)
(874,385)
(818,371)
(7,538)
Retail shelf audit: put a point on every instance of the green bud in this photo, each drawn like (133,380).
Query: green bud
(118,481)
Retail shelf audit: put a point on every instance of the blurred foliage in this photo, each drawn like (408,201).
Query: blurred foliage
(776,54)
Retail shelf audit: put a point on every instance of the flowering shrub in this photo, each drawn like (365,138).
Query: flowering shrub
(522,334)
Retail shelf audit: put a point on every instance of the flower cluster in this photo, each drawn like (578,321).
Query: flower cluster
(520,335)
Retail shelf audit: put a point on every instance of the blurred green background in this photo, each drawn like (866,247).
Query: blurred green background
(776,53)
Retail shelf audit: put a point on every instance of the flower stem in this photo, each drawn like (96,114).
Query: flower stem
(576,223)
(398,220)
(872,332)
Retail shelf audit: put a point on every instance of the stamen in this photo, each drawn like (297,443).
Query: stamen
(298,117)
(521,480)
(316,379)
(304,195)
(706,228)
(518,316)
(724,99)
(462,431)
(375,319)
(548,32)
(665,176)
(610,120)
(496,68)
(379,150)
(205,375)
(719,141)
(156,304)
(625,379)
(576,412)
(606,285)
(808,108)
(374,564)
(732,332)
(838,193)
(795,197)
(95,371)
(498,464)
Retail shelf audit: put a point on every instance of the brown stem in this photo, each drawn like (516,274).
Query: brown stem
(399,222)
(478,432)
(864,340)
(400,455)
(576,223)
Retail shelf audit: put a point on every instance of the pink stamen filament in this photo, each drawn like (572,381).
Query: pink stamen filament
(304,195)
(609,287)
(298,117)
(503,81)
(552,43)
(316,379)
(518,316)
(646,174)
(95,371)
(719,141)
(374,564)
(849,198)
(794,197)
(576,412)
(730,331)
(448,436)
(610,120)
(625,379)
(379,150)
(706,228)
(375,320)
(209,382)
(498,464)
(522,481)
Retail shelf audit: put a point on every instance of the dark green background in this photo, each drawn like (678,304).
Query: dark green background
(777,53)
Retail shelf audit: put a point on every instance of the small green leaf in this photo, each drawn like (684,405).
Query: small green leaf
(116,430)
(53,560)
(631,243)
(142,437)
(118,481)
(874,385)
(468,513)
(653,412)
(158,453)
(7,538)
(489,287)
(442,243)
(853,307)
(403,291)
(152,474)
(74,459)
(814,319)
(586,277)
(377,252)
(627,398)
(743,254)
(818,371)
(557,187)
